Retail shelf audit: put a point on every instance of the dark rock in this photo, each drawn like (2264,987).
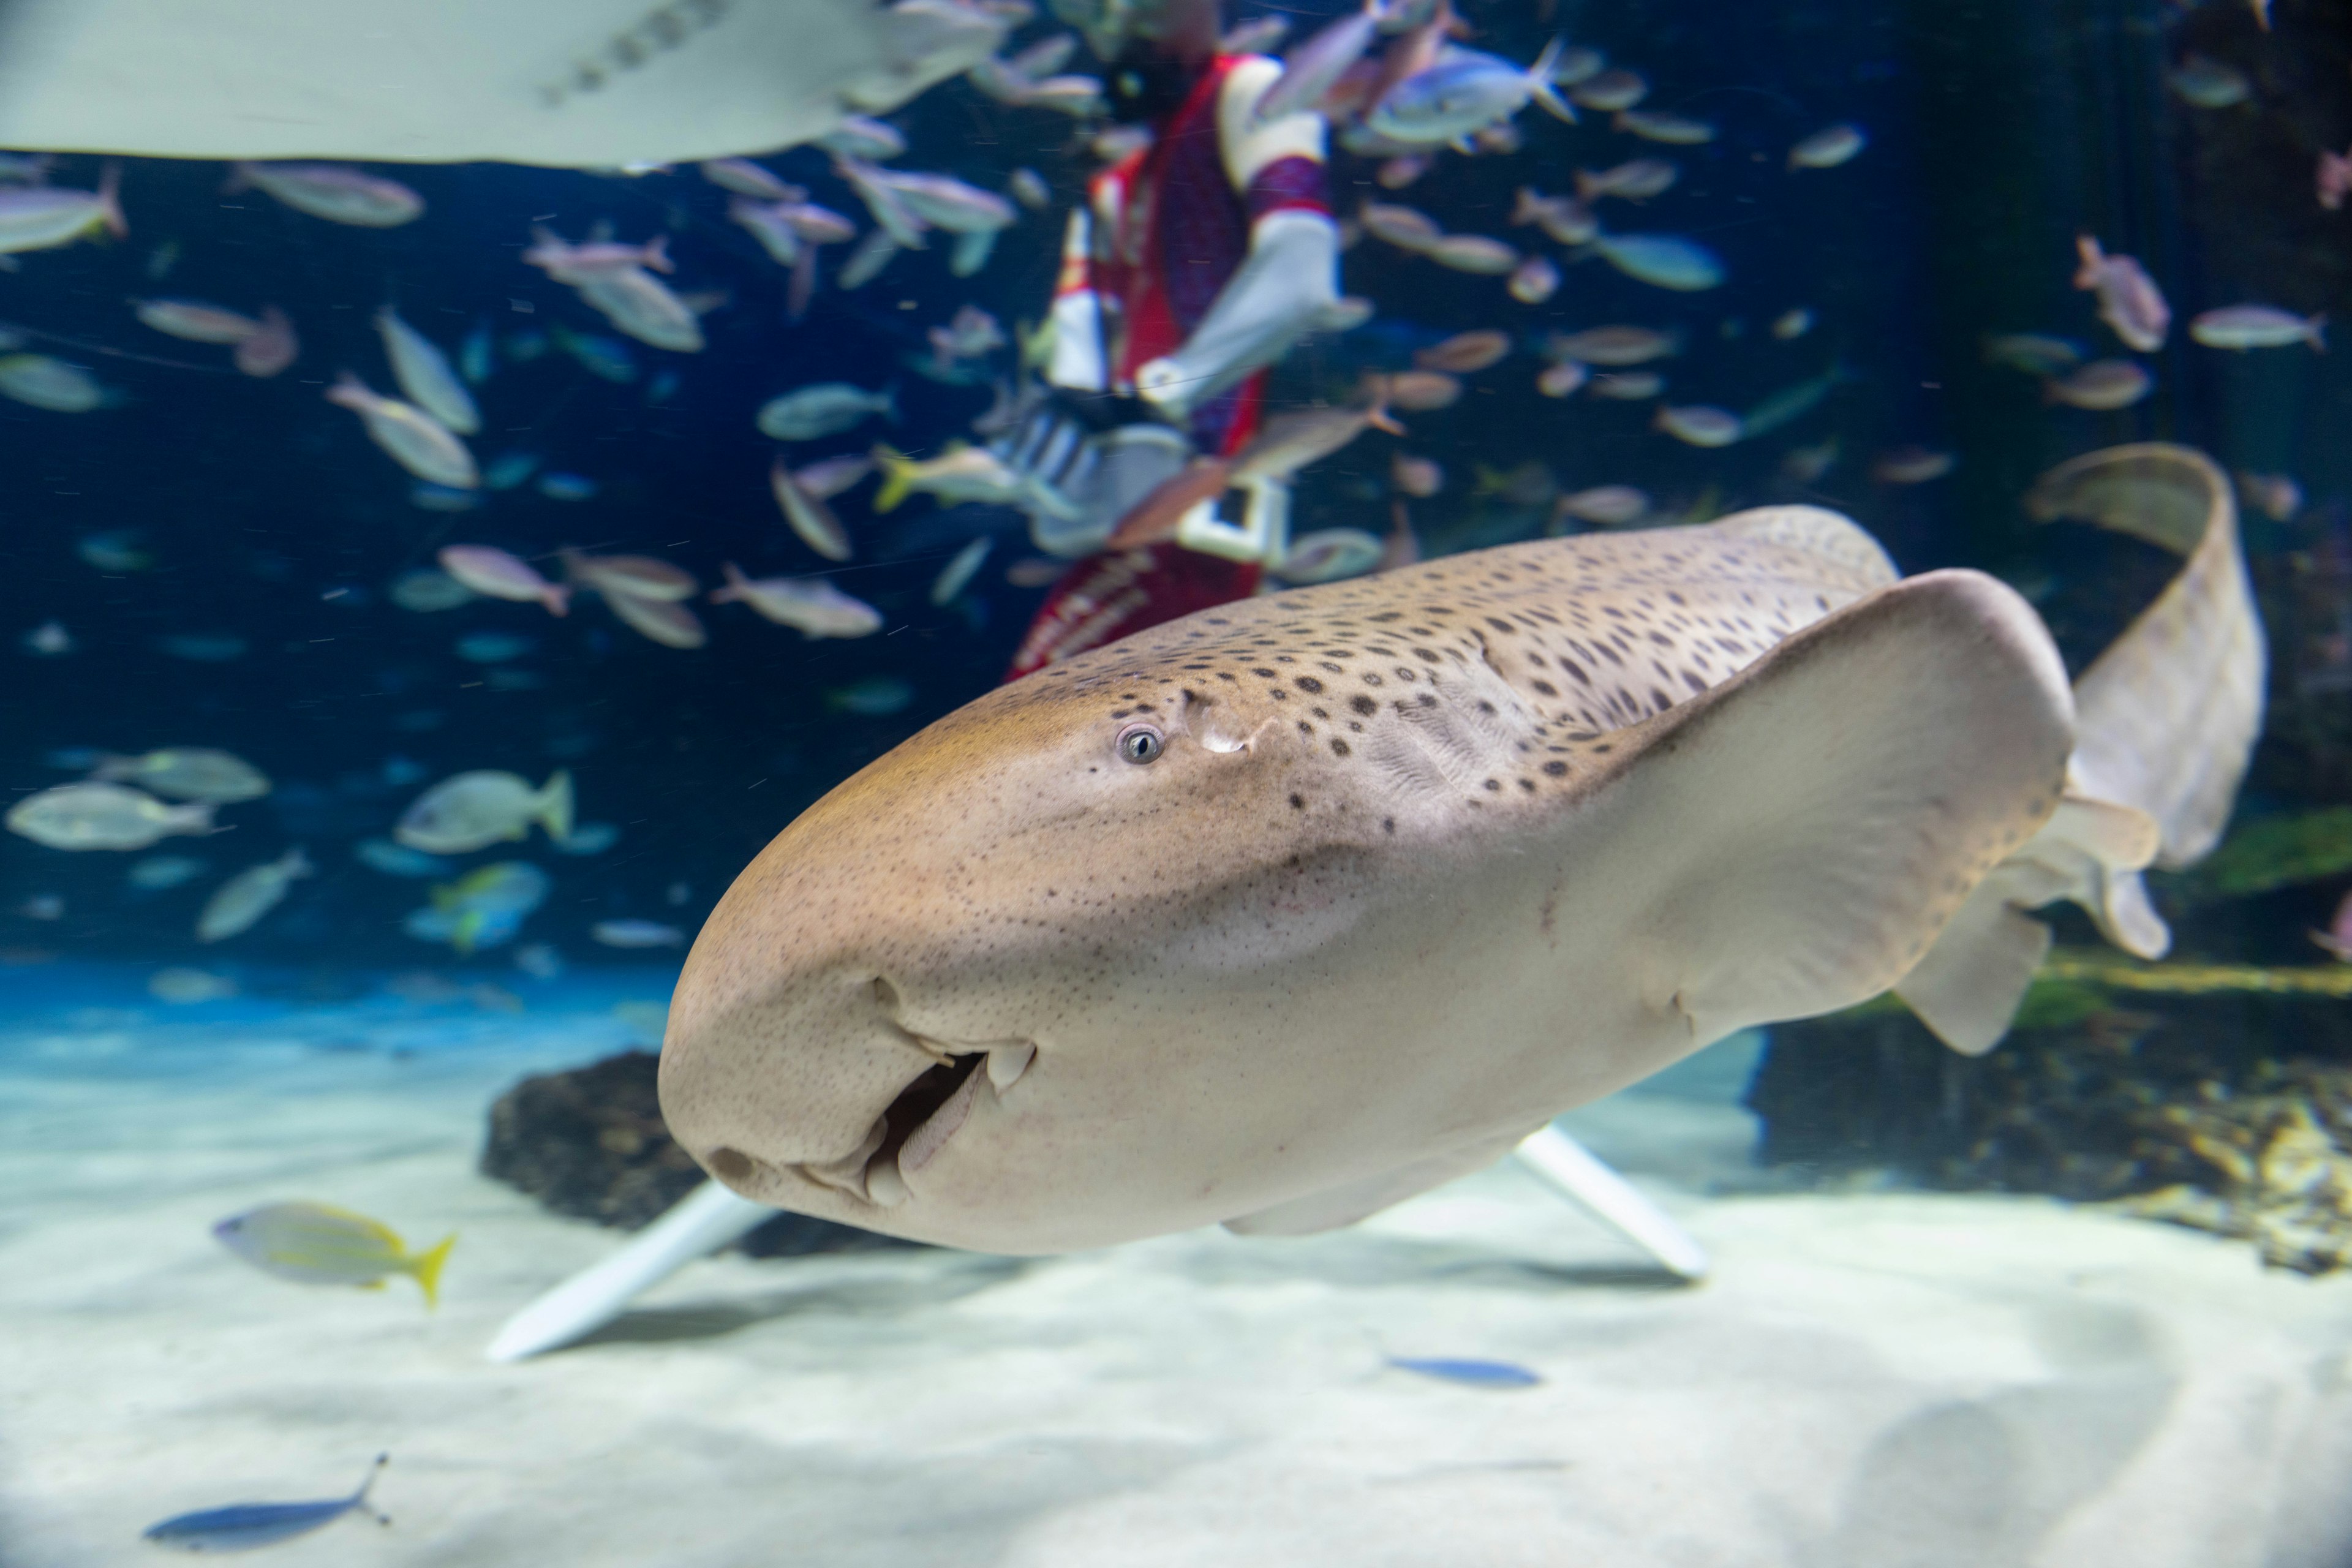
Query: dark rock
(591,1144)
(2177,1106)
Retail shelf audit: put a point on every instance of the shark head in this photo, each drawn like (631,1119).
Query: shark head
(1276,913)
(1022,983)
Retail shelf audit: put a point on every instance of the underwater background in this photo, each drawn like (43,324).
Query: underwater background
(211,559)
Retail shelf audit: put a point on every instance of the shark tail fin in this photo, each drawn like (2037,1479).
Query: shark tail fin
(2165,722)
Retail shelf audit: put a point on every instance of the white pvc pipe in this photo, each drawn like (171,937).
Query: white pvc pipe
(1572,1168)
(702,1221)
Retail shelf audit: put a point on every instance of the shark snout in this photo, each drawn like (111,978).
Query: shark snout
(794,1078)
(823,1093)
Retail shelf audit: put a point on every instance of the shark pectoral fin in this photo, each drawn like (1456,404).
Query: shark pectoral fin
(1968,986)
(1331,1208)
(1808,829)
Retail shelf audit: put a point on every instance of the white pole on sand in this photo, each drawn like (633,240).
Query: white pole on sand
(710,1216)
(702,1221)
(1575,1172)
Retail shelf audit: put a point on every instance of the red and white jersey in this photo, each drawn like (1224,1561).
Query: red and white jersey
(1165,228)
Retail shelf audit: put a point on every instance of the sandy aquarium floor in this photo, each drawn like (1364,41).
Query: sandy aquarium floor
(1882,1380)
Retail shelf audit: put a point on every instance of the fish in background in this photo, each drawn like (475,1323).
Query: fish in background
(1534,280)
(588,838)
(407,435)
(875,141)
(1661,260)
(314,1244)
(1462,93)
(1610,506)
(1792,402)
(608,359)
(871,697)
(1627,386)
(270,350)
(829,476)
(1415,476)
(745,178)
(1792,325)
(424,375)
(426,591)
(187,772)
(2276,496)
(474,810)
(661,621)
(336,192)
(1475,253)
(972,333)
(2129,302)
(958,574)
(494,574)
(2103,386)
(39,381)
(92,815)
(2337,940)
(1562,379)
(1610,92)
(1028,187)
(193,321)
(158,872)
(2035,354)
(810,519)
(1636,180)
(1312,68)
(1911,466)
(618,282)
(241,901)
(810,605)
(242,1526)
(635,934)
(633,576)
(2332,178)
(961,473)
(2203,82)
(48,640)
(508,469)
(1328,554)
(399,860)
(1617,347)
(826,408)
(1465,353)
(1697,425)
(1828,148)
(184,988)
(538,961)
(1468,1371)
(493,647)
(1669,130)
(2244,327)
(485,907)
(40,218)
(478,355)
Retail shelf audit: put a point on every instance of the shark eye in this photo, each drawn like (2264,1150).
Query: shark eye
(1141,744)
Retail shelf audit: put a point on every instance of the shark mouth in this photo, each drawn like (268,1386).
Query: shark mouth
(918,1124)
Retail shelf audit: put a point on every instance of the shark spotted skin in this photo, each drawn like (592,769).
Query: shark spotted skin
(1281,912)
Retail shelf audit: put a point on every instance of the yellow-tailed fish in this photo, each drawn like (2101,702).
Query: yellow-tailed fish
(314,1244)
